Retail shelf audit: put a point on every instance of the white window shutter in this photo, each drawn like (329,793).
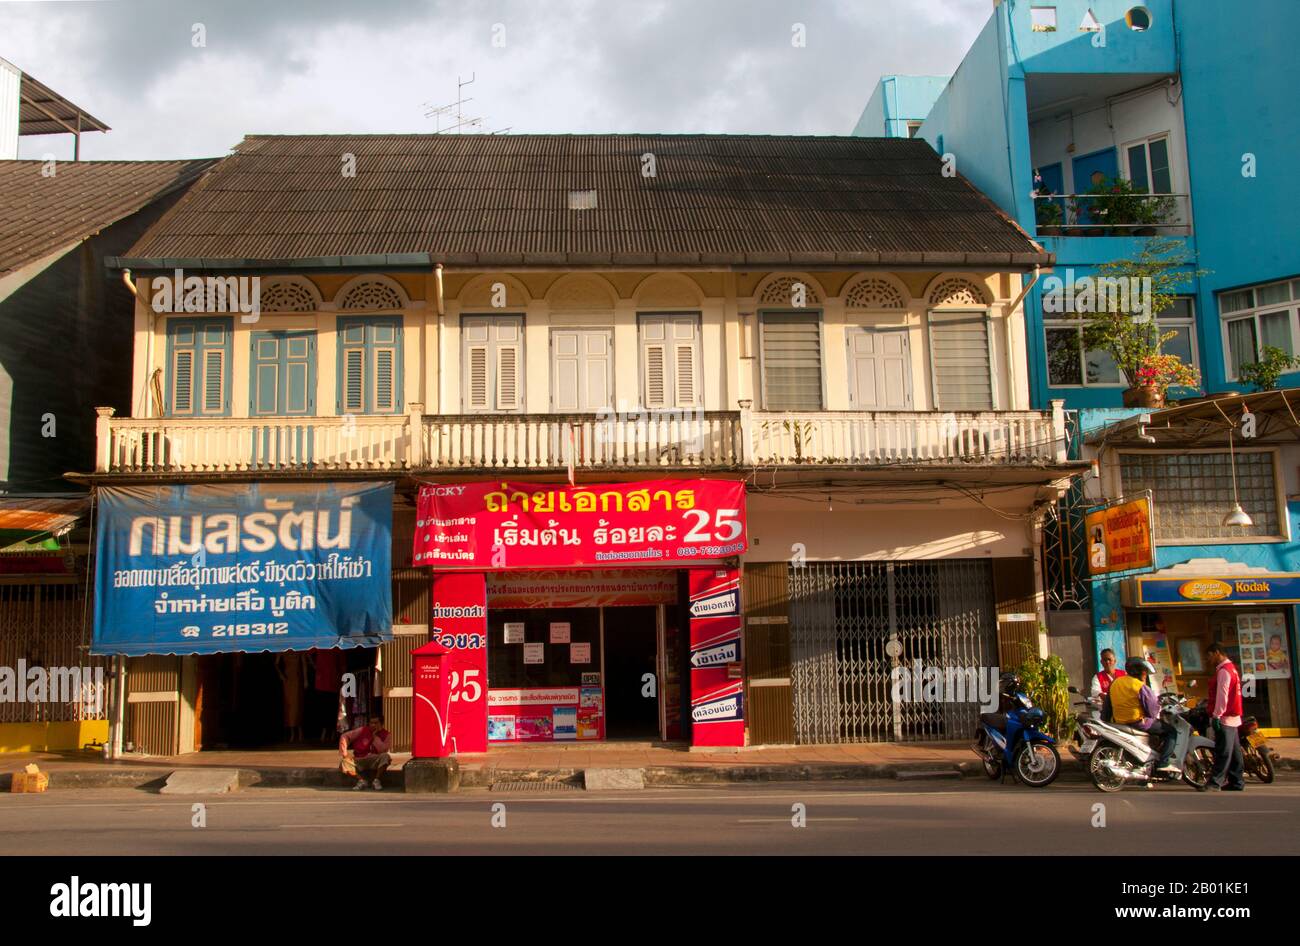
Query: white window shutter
(508,378)
(564,370)
(656,386)
(687,386)
(476,380)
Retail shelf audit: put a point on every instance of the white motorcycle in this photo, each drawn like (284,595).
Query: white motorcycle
(1124,754)
(1082,745)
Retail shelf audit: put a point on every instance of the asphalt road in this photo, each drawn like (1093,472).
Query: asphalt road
(968,817)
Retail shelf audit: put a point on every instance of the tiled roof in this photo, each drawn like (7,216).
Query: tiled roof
(42,213)
(505,200)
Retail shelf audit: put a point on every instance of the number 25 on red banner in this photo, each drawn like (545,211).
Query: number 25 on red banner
(728,519)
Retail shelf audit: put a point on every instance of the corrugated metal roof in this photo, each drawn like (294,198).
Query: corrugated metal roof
(504,200)
(54,516)
(42,213)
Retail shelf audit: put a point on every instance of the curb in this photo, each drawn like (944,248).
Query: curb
(485,776)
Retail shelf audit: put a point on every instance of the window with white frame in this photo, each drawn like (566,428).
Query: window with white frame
(1193,492)
(791,353)
(1069,364)
(1149,165)
(1257,318)
(670,360)
(492,364)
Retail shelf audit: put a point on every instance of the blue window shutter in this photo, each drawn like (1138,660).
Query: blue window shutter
(370,365)
(198,363)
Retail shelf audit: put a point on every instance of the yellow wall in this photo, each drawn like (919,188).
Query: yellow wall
(47,737)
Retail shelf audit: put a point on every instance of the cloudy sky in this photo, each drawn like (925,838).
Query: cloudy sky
(297,66)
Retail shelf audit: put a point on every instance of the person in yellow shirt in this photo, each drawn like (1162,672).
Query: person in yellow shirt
(1131,702)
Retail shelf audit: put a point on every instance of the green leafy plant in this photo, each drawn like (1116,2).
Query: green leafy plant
(1118,202)
(1134,339)
(1047,684)
(1047,212)
(1265,374)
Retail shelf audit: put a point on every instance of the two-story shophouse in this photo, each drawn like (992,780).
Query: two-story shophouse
(1179,108)
(805,355)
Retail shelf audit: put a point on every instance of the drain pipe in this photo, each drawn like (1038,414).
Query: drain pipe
(1020,299)
(441,306)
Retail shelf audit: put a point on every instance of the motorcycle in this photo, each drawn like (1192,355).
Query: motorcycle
(1011,740)
(1082,745)
(1124,754)
(1255,751)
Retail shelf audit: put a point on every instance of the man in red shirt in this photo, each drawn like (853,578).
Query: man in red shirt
(366,748)
(1106,676)
(1224,704)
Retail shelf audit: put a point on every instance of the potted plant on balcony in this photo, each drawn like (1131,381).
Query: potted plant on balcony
(1132,336)
(1266,374)
(1125,209)
(1048,214)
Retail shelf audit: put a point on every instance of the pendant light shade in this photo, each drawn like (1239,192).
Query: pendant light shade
(1238,517)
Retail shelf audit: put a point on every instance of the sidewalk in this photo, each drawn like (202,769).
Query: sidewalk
(552,762)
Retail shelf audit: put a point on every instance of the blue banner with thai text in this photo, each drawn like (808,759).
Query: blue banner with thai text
(210,569)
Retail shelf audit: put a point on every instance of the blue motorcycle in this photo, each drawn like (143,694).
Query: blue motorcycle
(1011,738)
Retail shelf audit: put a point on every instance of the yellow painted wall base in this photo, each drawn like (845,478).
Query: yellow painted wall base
(46,737)
(1287,733)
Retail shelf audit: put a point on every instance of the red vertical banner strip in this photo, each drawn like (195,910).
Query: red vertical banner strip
(460,624)
(717,687)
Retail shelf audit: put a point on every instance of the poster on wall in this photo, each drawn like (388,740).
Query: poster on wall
(1119,536)
(542,714)
(559,632)
(1262,641)
(207,569)
(459,616)
(534,653)
(513,632)
(580,653)
(717,699)
(505,526)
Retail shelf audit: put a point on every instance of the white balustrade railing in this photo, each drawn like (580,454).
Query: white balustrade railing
(636,441)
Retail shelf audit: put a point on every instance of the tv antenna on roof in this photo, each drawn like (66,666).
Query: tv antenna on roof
(455,110)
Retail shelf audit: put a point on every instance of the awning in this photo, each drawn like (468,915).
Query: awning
(32,524)
(1211,582)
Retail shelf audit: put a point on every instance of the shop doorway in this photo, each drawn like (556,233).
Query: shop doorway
(632,676)
(287,700)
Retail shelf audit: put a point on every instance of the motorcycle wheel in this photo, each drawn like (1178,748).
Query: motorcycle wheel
(992,769)
(1106,781)
(1049,759)
(1198,767)
(1263,768)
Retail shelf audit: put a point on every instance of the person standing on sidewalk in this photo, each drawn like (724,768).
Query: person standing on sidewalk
(1224,703)
(1107,675)
(364,751)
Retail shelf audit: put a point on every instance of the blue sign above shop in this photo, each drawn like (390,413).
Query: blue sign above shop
(1233,589)
(247,567)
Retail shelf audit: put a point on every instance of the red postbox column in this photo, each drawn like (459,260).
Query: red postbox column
(430,703)
(717,688)
(459,619)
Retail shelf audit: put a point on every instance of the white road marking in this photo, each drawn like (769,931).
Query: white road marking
(787,820)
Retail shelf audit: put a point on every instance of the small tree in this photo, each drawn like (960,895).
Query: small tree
(1267,372)
(1047,684)
(1134,339)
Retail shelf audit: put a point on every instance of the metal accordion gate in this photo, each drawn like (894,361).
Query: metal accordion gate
(843,617)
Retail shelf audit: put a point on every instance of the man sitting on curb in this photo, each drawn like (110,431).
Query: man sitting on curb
(364,752)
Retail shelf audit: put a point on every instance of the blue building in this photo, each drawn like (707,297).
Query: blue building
(1188,102)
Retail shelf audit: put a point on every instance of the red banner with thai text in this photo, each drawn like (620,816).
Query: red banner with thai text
(500,526)
(717,686)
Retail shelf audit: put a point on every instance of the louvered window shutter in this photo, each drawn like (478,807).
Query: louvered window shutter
(656,384)
(687,389)
(214,376)
(792,362)
(508,378)
(352,381)
(385,384)
(477,379)
(963,379)
(183,382)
